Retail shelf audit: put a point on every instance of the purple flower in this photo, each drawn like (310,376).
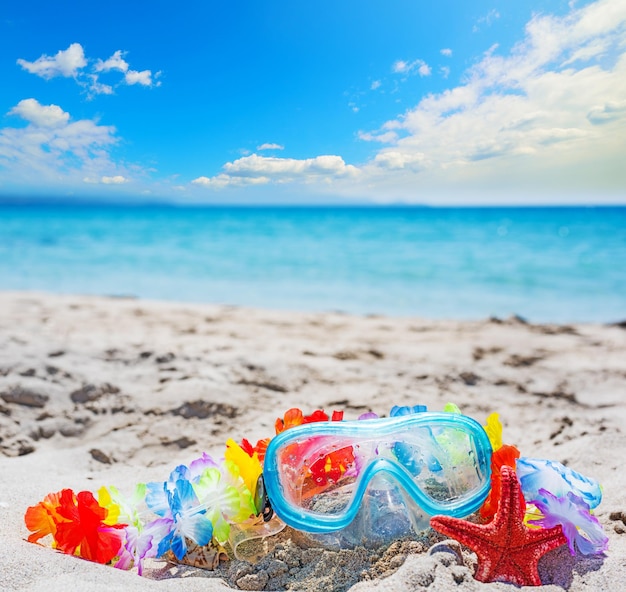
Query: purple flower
(581,529)
(142,543)
(198,466)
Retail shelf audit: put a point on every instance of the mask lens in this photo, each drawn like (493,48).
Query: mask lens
(317,473)
(320,473)
(442,461)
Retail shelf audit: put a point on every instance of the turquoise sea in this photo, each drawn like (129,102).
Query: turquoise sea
(546,264)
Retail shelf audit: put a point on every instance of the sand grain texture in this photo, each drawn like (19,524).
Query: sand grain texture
(98,391)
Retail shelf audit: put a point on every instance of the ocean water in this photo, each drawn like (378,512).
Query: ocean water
(546,264)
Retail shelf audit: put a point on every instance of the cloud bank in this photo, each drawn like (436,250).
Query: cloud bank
(548,117)
(260,170)
(546,121)
(54,151)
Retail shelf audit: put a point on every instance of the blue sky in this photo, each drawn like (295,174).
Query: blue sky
(448,102)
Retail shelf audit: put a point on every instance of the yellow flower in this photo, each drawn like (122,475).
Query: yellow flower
(106,501)
(249,466)
(494,431)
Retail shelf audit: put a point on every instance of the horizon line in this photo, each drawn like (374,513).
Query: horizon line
(98,202)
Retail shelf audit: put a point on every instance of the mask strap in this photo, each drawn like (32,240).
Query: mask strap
(262,501)
(251,541)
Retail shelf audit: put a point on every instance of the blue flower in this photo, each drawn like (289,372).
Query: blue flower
(535,474)
(176,502)
(397,410)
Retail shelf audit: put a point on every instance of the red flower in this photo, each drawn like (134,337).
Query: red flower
(337,416)
(84,532)
(317,415)
(260,448)
(329,469)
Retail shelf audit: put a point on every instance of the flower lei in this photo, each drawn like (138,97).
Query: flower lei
(202,502)
(198,503)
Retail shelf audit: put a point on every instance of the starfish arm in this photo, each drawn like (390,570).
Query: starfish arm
(469,534)
(507,550)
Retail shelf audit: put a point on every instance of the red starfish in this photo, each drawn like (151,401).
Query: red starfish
(507,550)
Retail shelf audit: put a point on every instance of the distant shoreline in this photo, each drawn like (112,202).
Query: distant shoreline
(131,202)
(513,319)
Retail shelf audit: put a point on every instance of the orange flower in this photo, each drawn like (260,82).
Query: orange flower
(504,456)
(43,518)
(294,417)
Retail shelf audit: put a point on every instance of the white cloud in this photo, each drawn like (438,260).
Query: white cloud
(43,116)
(270,146)
(220,181)
(548,118)
(134,77)
(610,111)
(386,137)
(99,88)
(54,151)
(446,52)
(115,180)
(254,165)
(375,85)
(424,70)
(488,19)
(445,71)
(259,170)
(86,72)
(65,63)
(394,160)
(115,62)
(399,66)
(417,66)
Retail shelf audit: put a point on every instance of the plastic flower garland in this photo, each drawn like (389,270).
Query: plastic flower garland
(209,501)
(198,503)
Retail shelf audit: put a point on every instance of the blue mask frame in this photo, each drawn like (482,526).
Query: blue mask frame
(440,436)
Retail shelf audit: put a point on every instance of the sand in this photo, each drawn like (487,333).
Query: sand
(104,391)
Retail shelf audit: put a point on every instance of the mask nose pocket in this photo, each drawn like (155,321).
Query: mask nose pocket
(386,513)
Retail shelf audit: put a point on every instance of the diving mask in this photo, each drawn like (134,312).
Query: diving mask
(319,476)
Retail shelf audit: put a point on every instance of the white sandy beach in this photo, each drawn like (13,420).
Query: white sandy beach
(103,391)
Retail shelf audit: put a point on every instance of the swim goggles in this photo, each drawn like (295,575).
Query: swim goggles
(317,477)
